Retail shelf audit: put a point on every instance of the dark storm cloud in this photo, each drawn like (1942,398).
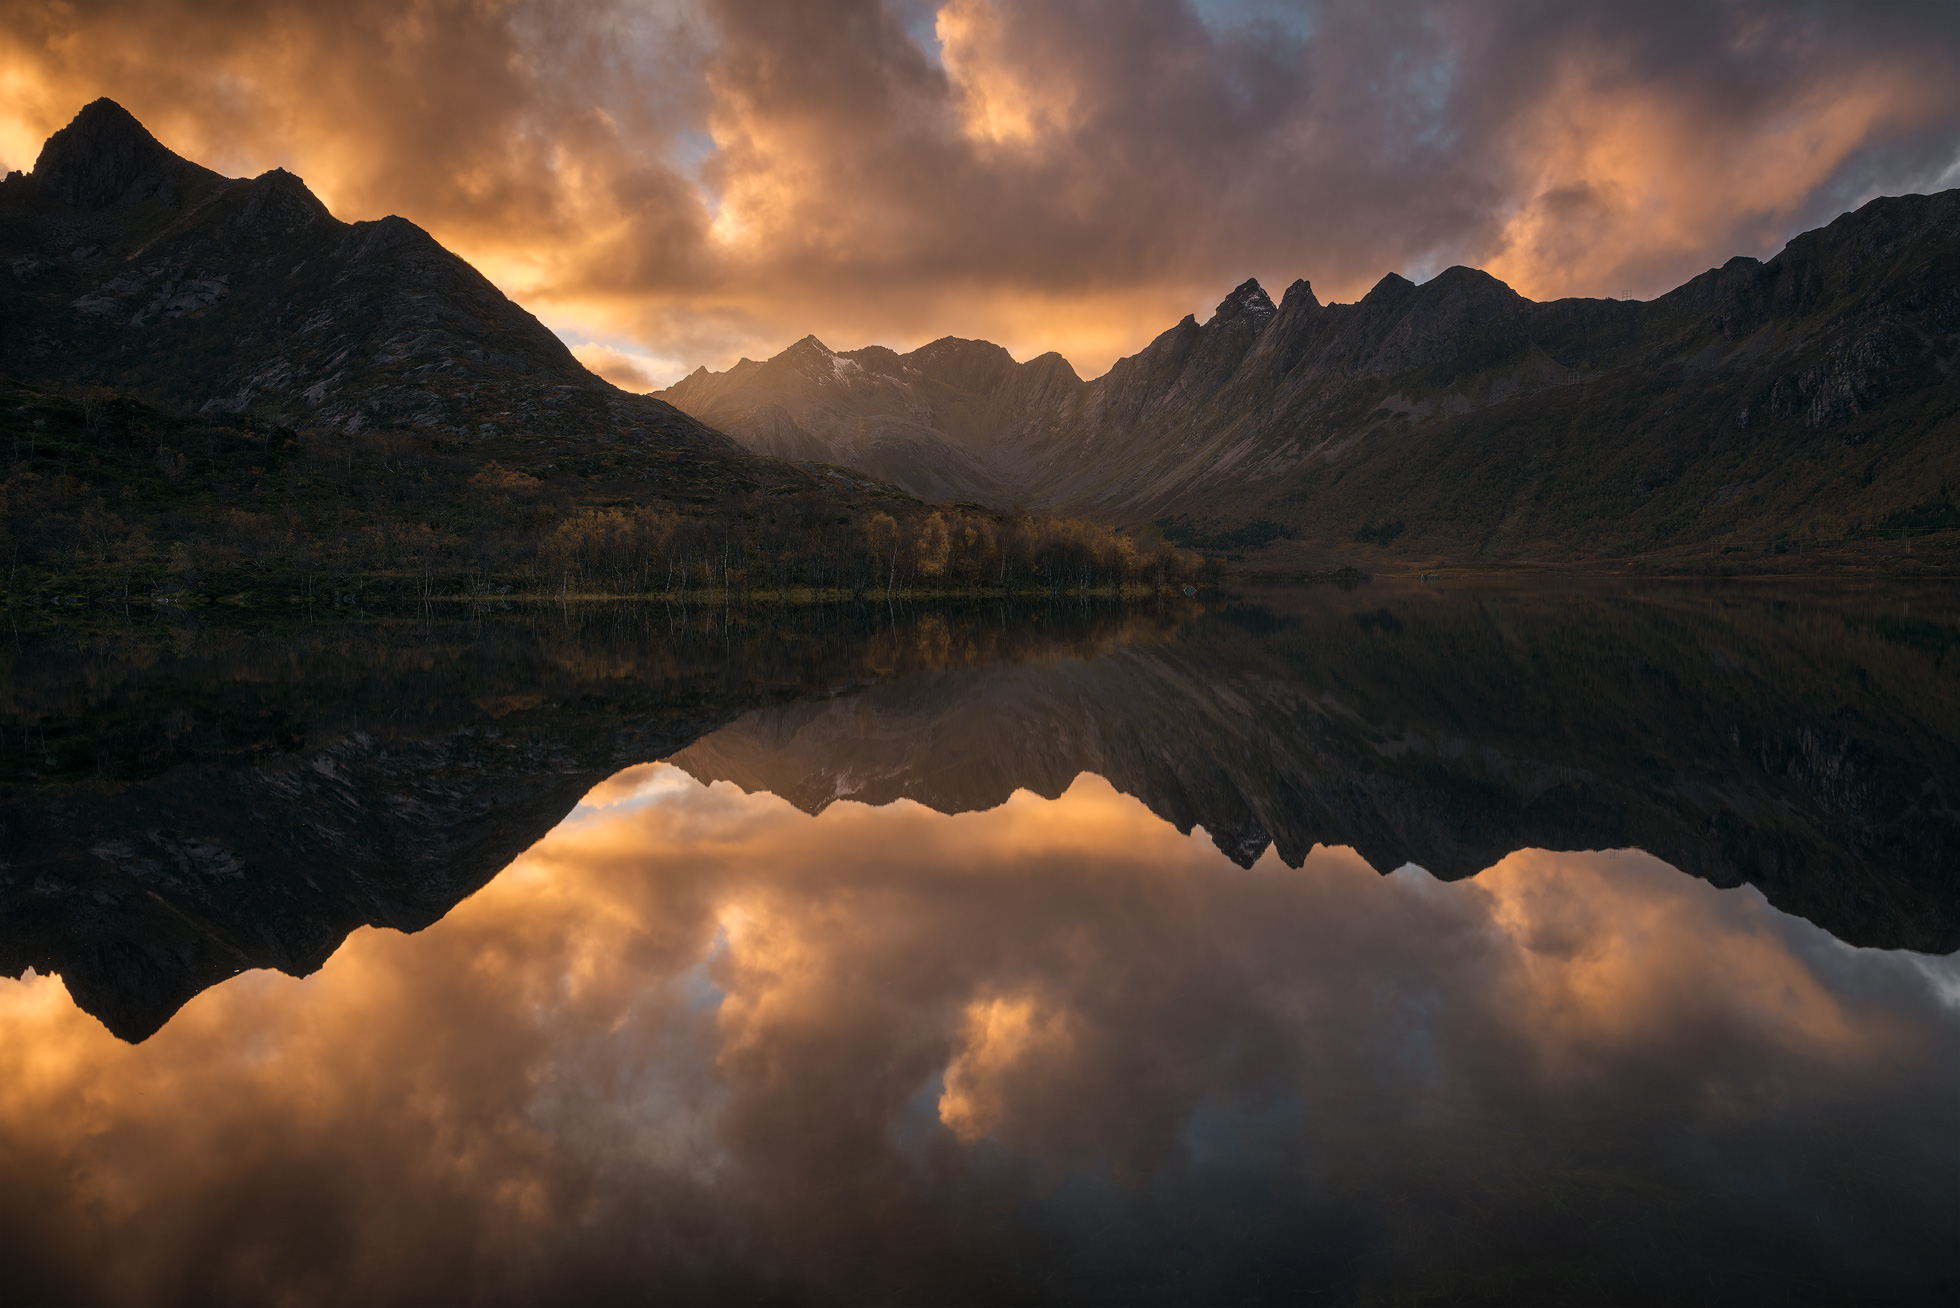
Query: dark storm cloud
(707,178)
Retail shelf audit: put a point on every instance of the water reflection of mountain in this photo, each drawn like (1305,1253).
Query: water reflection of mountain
(182,802)
(1806,748)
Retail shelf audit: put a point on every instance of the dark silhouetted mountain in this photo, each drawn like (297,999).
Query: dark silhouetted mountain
(1809,753)
(133,268)
(1811,397)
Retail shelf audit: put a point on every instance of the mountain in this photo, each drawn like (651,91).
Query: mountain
(211,390)
(1809,398)
(952,421)
(135,269)
(1809,753)
(1761,406)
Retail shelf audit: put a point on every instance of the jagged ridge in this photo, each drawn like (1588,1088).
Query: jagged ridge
(1811,395)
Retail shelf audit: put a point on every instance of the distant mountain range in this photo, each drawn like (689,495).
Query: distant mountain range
(131,267)
(954,420)
(1807,398)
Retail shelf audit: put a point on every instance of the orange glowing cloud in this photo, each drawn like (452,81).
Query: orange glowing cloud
(626,371)
(696,181)
(1604,952)
(1000,99)
(1626,185)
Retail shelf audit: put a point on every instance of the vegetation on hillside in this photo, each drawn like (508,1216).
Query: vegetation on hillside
(108,500)
(1232,542)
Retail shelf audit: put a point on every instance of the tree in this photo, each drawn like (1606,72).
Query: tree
(931,546)
(881,535)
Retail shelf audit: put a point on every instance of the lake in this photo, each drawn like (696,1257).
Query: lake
(1449,943)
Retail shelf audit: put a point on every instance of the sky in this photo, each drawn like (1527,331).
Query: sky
(678,184)
(696,1045)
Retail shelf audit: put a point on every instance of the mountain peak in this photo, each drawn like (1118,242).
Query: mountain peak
(1476,281)
(280,202)
(1248,300)
(1300,293)
(1391,286)
(105,158)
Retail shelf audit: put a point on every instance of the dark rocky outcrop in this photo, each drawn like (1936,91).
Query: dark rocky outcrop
(106,159)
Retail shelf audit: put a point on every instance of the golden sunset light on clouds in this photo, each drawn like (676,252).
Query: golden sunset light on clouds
(678,184)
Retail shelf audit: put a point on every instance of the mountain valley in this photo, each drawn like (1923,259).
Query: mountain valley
(1800,401)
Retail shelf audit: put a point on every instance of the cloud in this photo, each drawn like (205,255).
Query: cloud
(717,178)
(621,369)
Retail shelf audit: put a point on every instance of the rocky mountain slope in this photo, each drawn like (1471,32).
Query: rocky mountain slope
(1808,398)
(130,267)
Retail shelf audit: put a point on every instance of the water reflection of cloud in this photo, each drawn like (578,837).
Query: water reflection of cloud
(697,1043)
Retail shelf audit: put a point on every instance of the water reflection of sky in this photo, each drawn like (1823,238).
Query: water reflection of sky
(697,1044)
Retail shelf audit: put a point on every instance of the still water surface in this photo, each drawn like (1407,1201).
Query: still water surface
(1320,946)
